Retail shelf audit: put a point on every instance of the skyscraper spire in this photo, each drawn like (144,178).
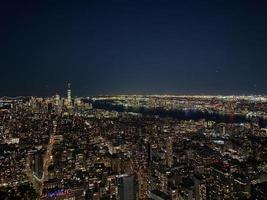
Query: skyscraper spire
(69,93)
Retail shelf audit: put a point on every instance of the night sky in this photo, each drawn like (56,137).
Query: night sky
(127,47)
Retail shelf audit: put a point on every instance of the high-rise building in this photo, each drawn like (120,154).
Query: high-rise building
(169,156)
(200,187)
(163,179)
(221,184)
(38,164)
(127,187)
(57,99)
(142,183)
(69,93)
(116,163)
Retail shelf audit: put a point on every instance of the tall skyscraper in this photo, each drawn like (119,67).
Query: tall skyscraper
(38,164)
(127,187)
(169,152)
(69,93)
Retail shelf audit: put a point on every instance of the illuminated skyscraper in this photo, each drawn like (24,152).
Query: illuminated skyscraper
(69,93)
(57,99)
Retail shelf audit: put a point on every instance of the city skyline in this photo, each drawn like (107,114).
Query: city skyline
(133,100)
(68,95)
(133,148)
(128,47)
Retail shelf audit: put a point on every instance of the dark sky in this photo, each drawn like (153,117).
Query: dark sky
(126,47)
